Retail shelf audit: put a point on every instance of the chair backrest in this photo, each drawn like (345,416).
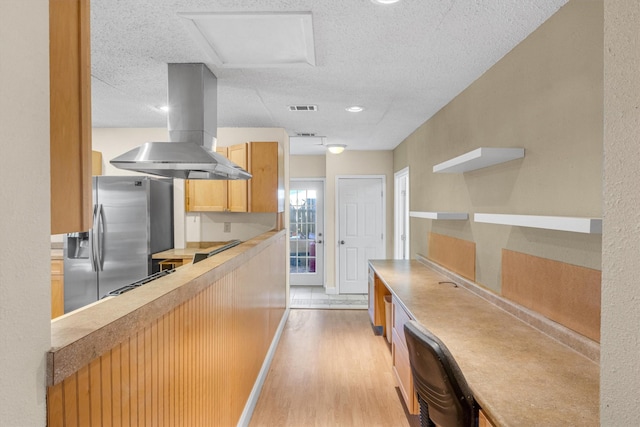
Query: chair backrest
(438,380)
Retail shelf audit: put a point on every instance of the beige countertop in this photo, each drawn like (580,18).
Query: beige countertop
(80,336)
(186,253)
(519,375)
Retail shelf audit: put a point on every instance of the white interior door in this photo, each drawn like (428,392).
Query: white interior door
(401,214)
(360,231)
(306,233)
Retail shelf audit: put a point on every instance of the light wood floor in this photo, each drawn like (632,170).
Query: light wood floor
(330,370)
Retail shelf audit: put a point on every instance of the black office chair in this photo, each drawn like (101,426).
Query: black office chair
(444,396)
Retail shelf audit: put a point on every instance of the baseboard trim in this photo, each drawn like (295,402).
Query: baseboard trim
(247,413)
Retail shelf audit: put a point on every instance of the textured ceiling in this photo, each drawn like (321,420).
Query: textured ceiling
(402,62)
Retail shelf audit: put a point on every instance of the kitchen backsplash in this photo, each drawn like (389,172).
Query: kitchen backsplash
(224,226)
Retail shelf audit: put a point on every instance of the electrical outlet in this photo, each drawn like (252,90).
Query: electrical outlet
(227,227)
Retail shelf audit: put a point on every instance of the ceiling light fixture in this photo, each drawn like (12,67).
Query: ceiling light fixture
(354,109)
(385,1)
(164,108)
(336,148)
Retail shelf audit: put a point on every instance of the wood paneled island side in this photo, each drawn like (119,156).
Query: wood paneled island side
(185,349)
(519,375)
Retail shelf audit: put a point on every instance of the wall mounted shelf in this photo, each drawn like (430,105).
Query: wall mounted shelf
(561,223)
(440,215)
(479,158)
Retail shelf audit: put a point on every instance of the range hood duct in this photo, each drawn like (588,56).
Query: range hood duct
(192,122)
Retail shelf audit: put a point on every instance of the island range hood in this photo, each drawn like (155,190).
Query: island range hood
(192,122)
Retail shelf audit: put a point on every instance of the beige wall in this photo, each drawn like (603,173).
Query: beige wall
(545,96)
(308,166)
(25,287)
(112,142)
(206,227)
(24,292)
(620,343)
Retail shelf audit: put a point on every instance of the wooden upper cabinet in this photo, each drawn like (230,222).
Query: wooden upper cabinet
(264,192)
(70,105)
(263,188)
(238,188)
(96,163)
(207,195)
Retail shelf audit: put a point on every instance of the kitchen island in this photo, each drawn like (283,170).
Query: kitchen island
(519,375)
(186,348)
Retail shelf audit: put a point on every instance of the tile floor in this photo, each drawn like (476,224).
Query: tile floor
(315,297)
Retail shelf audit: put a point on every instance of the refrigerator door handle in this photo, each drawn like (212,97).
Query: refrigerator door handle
(100,243)
(92,239)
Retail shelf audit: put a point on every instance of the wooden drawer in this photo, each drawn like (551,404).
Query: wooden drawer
(402,371)
(400,317)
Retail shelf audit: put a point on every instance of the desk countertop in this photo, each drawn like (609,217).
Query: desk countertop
(518,375)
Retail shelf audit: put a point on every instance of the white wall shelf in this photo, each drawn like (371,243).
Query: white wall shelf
(440,215)
(479,158)
(561,223)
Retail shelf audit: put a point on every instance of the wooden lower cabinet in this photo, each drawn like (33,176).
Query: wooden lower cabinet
(400,357)
(483,421)
(194,365)
(57,288)
(372,293)
(377,310)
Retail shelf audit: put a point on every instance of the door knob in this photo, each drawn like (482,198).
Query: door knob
(319,241)
(342,242)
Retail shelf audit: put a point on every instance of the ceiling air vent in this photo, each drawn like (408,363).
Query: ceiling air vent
(303,108)
(305,134)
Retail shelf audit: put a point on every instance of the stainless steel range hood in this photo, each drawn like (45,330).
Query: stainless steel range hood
(192,122)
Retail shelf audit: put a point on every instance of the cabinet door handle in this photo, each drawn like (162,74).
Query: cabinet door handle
(93,240)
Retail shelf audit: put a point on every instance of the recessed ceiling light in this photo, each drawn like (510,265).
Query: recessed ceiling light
(164,108)
(354,109)
(385,1)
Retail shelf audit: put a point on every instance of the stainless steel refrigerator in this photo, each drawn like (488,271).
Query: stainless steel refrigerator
(132,219)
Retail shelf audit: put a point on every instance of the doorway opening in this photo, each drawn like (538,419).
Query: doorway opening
(401,214)
(306,225)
